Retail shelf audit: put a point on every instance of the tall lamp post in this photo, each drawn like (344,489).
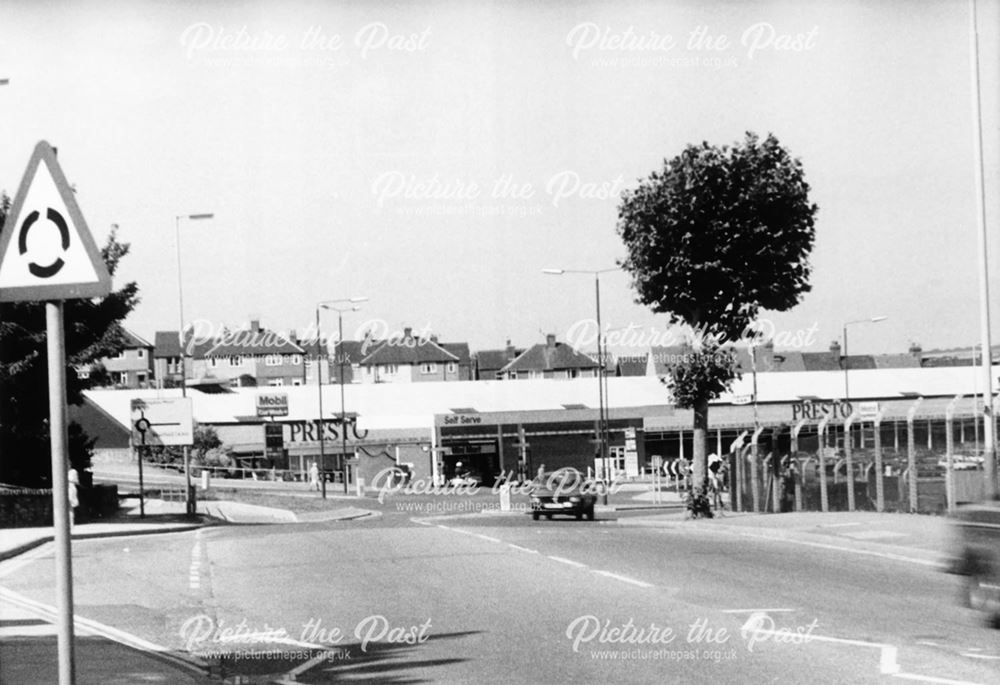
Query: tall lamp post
(874,319)
(602,422)
(345,304)
(189,505)
(847,363)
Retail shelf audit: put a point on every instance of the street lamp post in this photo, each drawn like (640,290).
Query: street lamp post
(874,319)
(847,365)
(189,505)
(339,307)
(602,421)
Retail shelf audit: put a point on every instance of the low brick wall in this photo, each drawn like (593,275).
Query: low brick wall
(24,508)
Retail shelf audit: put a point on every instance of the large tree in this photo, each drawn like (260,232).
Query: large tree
(93,331)
(715,236)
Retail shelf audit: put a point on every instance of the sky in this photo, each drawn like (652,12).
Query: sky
(434,157)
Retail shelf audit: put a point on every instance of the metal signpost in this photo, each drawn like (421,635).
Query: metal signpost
(160,422)
(48,255)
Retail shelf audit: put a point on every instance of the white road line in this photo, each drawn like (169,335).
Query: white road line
(624,579)
(932,679)
(421,522)
(753,611)
(522,549)
(570,562)
(991,657)
(485,537)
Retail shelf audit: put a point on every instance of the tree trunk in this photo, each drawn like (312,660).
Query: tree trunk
(699,447)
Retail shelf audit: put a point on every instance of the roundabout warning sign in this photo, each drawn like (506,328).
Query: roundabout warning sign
(46,250)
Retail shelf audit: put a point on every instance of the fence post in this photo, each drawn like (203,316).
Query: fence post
(879,470)
(823,495)
(911,454)
(848,455)
(949,478)
(736,479)
(755,470)
(800,466)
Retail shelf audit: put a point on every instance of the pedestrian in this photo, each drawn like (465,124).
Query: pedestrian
(314,476)
(73,482)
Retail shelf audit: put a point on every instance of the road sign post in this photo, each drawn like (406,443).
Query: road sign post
(55,342)
(48,255)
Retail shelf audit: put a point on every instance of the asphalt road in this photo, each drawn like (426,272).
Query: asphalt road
(505,599)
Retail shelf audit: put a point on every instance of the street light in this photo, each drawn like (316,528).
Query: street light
(189,505)
(602,423)
(339,307)
(874,319)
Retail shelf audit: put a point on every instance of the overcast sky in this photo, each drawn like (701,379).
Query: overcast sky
(435,156)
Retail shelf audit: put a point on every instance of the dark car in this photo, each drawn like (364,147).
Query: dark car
(565,492)
(977,557)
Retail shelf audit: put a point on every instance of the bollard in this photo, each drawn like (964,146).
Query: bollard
(359,484)
(505,497)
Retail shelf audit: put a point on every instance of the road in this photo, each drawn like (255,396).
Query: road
(489,598)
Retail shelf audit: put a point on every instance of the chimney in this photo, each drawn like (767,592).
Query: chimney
(550,340)
(916,352)
(434,338)
(835,349)
(510,351)
(407,333)
(254,325)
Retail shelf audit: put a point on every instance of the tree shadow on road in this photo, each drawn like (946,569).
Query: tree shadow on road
(379,662)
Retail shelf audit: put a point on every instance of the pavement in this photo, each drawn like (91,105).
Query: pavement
(28,632)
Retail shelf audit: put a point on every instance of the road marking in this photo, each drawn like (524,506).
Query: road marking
(980,656)
(523,549)
(484,537)
(624,579)
(837,525)
(933,679)
(194,571)
(754,611)
(570,562)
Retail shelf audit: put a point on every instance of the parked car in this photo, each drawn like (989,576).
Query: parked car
(962,462)
(977,557)
(565,492)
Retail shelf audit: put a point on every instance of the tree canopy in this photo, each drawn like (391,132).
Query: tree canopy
(93,331)
(720,233)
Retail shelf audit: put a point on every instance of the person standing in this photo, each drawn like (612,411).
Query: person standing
(314,476)
(73,485)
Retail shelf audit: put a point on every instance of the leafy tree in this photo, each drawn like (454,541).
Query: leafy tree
(716,235)
(93,331)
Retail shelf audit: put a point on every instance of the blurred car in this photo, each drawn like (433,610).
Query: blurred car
(977,557)
(565,492)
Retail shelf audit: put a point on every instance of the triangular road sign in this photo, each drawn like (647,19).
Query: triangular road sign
(46,250)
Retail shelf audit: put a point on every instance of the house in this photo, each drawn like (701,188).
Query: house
(410,358)
(132,367)
(488,363)
(252,356)
(550,359)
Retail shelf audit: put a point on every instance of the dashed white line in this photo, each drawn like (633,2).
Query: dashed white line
(624,579)
(570,562)
(522,549)
(754,611)
(932,679)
